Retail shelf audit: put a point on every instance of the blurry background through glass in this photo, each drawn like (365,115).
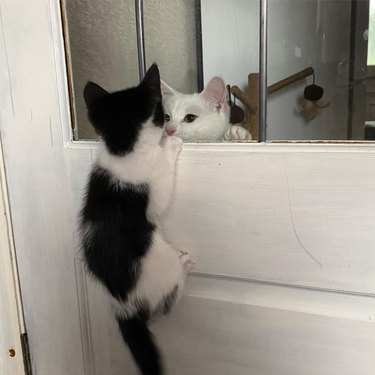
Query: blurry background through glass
(331,37)
(103,47)
(328,43)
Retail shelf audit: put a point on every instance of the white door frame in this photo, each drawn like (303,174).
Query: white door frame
(12,325)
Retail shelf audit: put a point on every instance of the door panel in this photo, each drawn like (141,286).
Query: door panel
(256,211)
(306,209)
(250,214)
(228,326)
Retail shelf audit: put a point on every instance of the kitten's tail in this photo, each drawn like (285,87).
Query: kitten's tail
(141,344)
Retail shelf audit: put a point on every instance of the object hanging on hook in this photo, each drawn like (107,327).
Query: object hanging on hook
(313,92)
(310,106)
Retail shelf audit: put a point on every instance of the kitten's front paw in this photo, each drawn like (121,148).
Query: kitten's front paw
(236,133)
(187,263)
(174,144)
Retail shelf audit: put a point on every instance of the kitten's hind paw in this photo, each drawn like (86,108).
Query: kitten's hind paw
(187,263)
(182,253)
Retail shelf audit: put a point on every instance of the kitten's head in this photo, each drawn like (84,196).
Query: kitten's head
(119,117)
(197,117)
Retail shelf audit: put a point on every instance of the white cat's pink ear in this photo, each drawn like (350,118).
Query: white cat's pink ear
(166,90)
(216,93)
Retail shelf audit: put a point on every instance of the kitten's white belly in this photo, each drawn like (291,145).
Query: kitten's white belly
(160,272)
(161,191)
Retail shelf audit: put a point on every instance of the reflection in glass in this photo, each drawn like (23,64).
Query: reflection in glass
(329,36)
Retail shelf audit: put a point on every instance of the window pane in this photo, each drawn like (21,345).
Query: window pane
(329,36)
(171,41)
(102,47)
(192,41)
(230,40)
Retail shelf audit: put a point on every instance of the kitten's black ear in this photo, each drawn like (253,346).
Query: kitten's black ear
(152,80)
(92,92)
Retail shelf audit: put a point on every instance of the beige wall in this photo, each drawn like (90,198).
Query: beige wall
(102,38)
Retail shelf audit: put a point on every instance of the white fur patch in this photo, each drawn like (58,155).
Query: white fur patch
(210,125)
(160,272)
(153,163)
(237,133)
(138,166)
(150,163)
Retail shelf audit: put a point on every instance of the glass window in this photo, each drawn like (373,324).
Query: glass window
(321,61)
(192,41)
(323,44)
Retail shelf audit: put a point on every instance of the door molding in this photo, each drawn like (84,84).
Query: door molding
(11,313)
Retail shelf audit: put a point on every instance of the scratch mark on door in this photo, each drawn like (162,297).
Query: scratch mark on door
(50,129)
(294,224)
(7,61)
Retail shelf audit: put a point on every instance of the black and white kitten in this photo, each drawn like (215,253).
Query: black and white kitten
(129,189)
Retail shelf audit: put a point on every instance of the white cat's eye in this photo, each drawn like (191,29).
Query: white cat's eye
(190,118)
(166,117)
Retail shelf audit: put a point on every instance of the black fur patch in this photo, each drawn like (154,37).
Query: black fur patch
(159,115)
(118,117)
(140,341)
(116,232)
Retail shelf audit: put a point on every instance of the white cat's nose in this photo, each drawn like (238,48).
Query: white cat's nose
(171,131)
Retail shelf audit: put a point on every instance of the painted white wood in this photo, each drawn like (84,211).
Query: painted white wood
(11,318)
(307,209)
(39,190)
(237,327)
(226,335)
(304,218)
(251,214)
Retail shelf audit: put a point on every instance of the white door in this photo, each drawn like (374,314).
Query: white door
(283,236)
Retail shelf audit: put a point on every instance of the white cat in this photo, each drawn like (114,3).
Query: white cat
(200,117)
